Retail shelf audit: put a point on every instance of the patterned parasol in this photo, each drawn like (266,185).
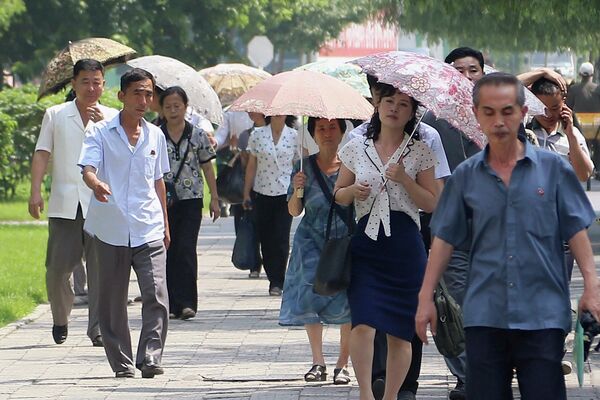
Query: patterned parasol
(435,84)
(59,71)
(347,73)
(304,93)
(171,72)
(230,81)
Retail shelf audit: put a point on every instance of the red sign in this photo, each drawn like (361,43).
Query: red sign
(361,40)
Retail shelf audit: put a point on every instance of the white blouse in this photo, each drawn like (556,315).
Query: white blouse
(274,162)
(360,156)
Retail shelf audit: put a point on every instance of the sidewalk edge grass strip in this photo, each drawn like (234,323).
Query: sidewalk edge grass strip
(22,270)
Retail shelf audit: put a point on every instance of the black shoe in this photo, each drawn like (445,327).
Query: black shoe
(459,392)
(128,373)
(378,387)
(275,291)
(150,368)
(59,333)
(97,341)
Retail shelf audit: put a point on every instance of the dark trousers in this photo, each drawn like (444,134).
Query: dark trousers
(273,223)
(380,357)
(238,211)
(493,353)
(185,217)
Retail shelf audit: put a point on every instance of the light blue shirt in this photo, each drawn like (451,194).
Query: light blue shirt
(429,136)
(133,214)
(517,276)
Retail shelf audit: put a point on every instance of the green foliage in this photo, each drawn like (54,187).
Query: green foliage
(8,10)
(21,270)
(7,173)
(507,25)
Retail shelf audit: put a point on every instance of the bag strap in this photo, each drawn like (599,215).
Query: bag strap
(349,221)
(187,133)
(327,193)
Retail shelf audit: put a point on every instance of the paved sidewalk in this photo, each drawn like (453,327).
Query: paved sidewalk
(233,349)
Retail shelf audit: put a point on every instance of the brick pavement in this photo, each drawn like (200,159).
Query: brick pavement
(233,349)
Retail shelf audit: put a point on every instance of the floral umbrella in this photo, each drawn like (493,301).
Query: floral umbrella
(230,81)
(435,84)
(534,105)
(59,71)
(171,72)
(347,73)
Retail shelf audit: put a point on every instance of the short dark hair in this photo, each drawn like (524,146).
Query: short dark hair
(135,75)
(178,90)
(545,87)
(499,79)
(87,64)
(290,120)
(312,123)
(462,52)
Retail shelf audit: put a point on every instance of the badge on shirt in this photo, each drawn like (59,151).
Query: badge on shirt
(540,191)
(152,153)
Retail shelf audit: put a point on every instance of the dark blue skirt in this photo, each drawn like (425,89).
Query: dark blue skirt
(386,277)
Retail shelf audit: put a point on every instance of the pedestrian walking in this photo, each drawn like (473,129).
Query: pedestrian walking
(388,183)
(61,135)
(523,203)
(123,162)
(190,156)
(272,150)
(300,306)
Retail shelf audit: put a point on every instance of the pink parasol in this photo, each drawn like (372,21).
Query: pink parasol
(435,84)
(304,93)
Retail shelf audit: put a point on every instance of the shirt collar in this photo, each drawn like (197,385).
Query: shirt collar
(536,126)
(530,153)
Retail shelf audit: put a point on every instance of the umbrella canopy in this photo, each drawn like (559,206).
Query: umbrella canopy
(230,81)
(435,84)
(171,72)
(304,93)
(59,71)
(347,73)
(534,105)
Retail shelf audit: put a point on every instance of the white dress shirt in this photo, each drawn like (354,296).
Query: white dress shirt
(62,135)
(274,162)
(133,214)
(429,135)
(234,123)
(360,156)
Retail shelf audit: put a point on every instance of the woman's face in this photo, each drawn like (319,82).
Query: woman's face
(396,110)
(327,133)
(173,108)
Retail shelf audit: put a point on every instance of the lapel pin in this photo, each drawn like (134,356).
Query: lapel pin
(540,191)
(152,152)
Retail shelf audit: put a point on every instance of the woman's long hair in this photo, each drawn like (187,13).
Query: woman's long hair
(374,129)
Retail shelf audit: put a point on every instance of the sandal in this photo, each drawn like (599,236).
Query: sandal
(341,376)
(317,373)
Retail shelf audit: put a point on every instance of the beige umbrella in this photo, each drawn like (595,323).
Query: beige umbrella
(59,71)
(230,81)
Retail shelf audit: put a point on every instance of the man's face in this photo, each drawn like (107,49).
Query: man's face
(469,67)
(498,113)
(88,86)
(137,97)
(554,105)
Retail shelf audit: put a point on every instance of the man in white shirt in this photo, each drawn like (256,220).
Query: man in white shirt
(61,136)
(123,161)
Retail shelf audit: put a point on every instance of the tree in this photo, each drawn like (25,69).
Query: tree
(507,25)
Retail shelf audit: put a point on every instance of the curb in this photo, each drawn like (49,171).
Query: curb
(38,312)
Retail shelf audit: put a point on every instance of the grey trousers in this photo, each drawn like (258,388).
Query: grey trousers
(68,244)
(149,263)
(79,279)
(455,278)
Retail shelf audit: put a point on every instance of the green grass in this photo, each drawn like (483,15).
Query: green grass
(15,209)
(22,270)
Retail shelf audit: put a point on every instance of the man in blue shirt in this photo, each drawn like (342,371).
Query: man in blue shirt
(524,202)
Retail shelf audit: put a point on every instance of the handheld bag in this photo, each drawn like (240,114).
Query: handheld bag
(230,181)
(450,335)
(335,263)
(244,250)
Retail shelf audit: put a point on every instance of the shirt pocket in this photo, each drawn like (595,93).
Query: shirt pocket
(150,166)
(539,216)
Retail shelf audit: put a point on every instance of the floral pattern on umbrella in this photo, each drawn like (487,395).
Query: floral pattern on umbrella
(433,83)
(230,81)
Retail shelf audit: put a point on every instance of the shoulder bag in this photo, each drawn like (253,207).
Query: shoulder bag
(450,335)
(172,197)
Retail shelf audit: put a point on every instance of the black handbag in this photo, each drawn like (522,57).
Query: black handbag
(244,255)
(450,334)
(230,182)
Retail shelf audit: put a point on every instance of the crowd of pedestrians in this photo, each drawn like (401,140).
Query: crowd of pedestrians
(502,226)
